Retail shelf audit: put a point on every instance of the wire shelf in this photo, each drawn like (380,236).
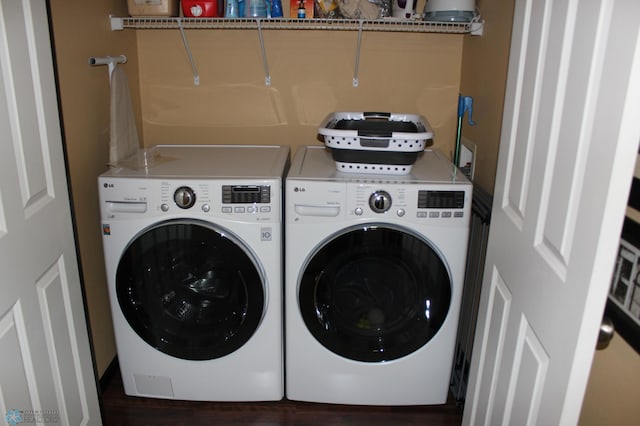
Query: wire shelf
(261,24)
(387,24)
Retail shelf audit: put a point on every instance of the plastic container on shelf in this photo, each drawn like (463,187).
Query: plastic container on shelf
(200,8)
(153,7)
(257,9)
(449,10)
(231,9)
(276,8)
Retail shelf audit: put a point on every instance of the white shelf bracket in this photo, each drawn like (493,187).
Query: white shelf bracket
(477,26)
(196,77)
(116,23)
(357,65)
(265,63)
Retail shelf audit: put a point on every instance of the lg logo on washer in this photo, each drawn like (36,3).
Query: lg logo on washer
(266,234)
(299,189)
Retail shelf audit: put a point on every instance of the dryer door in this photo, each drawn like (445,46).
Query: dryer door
(374,293)
(190,290)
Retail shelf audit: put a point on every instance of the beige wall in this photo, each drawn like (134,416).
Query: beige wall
(81,29)
(484,75)
(613,389)
(311,76)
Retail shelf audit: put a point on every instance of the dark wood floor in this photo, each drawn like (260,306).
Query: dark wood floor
(122,410)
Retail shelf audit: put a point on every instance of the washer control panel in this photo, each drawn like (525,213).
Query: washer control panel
(254,201)
(243,194)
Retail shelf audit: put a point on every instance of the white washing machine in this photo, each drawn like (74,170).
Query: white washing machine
(193,255)
(373,280)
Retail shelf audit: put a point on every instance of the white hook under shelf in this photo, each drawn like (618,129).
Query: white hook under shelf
(357,65)
(265,64)
(196,77)
(111,61)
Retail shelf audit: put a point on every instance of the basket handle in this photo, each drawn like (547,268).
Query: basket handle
(374,143)
(372,114)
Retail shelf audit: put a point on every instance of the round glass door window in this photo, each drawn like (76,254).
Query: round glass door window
(374,293)
(190,290)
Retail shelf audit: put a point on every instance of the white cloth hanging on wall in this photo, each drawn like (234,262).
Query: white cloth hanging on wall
(123,132)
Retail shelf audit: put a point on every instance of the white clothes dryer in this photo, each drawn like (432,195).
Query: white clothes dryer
(193,255)
(373,280)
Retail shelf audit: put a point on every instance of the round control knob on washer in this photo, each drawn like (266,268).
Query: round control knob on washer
(400,212)
(164,207)
(184,197)
(206,208)
(380,201)
(358,211)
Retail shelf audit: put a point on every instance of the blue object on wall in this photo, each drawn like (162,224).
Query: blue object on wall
(465,103)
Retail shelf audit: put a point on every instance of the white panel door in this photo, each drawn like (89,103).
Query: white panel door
(46,373)
(570,134)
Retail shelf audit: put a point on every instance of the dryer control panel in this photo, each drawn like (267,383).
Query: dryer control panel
(413,202)
(378,200)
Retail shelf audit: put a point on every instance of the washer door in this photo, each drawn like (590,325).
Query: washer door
(190,290)
(374,293)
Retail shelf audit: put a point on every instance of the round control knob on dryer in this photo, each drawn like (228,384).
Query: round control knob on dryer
(184,197)
(400,212)
(358,211)
(380,201)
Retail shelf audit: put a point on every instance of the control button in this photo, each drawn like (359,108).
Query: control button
(164,207)
(422,214)
(251,209)
(400,212)
(206,208)
(446,214)
(358,211)
(227,210)
(458,214)
(265,209)
(238,210)
(434,214)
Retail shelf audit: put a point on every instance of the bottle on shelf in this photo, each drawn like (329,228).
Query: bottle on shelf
(257,9)
(276,8)
(231,10)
